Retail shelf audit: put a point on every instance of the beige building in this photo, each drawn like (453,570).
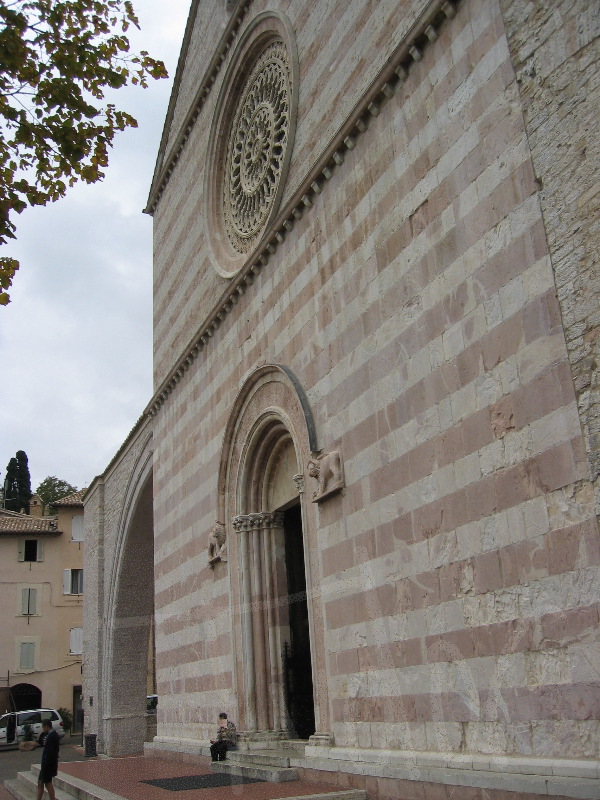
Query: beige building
(41,594)
(361,505)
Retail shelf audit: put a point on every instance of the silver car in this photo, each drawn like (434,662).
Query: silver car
(12,725)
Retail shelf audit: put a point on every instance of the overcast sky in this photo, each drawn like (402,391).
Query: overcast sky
(76,339)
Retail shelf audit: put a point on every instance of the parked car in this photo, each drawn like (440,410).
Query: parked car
(12,725)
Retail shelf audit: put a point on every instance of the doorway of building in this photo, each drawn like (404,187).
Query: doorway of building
(26,696)
(297,663)
(77,710)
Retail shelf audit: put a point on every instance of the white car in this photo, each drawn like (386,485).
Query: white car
(12,725)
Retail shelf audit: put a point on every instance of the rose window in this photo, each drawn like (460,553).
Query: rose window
(257,148)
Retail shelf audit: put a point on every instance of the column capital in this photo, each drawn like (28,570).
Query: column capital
(258,521)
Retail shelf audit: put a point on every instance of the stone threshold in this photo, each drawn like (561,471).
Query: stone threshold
(563,767)
(576,778)
(191,747)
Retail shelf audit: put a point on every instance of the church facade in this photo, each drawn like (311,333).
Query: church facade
(360,509)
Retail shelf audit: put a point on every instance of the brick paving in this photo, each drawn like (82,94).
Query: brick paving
(124,776)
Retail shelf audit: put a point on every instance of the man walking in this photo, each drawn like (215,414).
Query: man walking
(49,766)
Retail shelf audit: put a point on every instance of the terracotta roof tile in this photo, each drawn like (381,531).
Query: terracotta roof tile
(75,499)
(21,524)
(4,512)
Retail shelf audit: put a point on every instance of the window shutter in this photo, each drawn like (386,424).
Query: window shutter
(33,601)
(66,581)
(21,550)
(77,528)
(27,655)
(24,601)
(40,550)
(76,641)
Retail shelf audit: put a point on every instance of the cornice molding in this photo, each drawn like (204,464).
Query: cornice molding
(165,163)
(388,82)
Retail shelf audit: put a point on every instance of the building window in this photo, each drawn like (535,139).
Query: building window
(72,581)
(29,602)
(77,528)
(31,550)
(27,655)
(76,641)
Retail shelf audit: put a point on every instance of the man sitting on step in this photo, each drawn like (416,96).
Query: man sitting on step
(226,739)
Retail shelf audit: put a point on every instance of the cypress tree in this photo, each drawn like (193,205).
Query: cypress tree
(25,492)
(18,484)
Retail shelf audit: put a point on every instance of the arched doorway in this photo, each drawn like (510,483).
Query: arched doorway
(296,654)
(278,622)
(130,617)
(26,696)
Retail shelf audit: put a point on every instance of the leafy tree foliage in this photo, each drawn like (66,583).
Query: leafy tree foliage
(67,718)
(17,485)
(57,60)
(52,488)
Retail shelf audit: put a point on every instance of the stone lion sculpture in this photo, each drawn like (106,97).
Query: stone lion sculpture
(328,471)
(217,543)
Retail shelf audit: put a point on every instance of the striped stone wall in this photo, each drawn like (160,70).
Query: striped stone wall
(342,47)
(415,301)
(554,49)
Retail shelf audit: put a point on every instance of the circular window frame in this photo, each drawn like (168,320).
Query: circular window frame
(264,30)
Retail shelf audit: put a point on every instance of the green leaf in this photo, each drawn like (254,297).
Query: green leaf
(57,59)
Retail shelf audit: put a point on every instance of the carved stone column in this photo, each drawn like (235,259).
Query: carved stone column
(243,525)
(261,645)
(261,664)
(272,525)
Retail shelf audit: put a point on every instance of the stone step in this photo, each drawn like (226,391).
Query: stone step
(340,794)
(71,787)
(262,773)
(14,788)
(295,746)
(334,794)
(269,758)
(24,787)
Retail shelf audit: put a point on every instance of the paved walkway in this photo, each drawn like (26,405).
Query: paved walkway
(125,776)
(14,760)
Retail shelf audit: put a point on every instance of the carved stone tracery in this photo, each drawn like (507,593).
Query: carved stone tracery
(257,146)
(251,141)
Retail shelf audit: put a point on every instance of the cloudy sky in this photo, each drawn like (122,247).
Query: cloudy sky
(76,339)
